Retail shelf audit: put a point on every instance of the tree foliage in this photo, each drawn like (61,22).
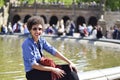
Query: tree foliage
(113,4)
(1,3)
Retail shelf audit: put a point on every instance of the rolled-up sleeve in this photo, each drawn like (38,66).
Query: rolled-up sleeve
(49,48)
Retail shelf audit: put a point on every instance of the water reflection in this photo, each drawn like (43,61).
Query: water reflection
(11,64)
(86,57)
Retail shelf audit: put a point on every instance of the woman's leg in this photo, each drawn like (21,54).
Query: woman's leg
(70,75)
(38,75)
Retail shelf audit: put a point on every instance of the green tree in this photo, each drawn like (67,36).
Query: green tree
(113,4)
(2,2)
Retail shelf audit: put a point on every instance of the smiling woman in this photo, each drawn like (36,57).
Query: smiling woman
(32,49)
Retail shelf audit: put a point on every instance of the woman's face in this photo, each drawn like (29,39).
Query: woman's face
(36,31)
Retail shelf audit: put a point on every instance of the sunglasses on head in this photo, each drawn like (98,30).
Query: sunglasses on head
(34,29)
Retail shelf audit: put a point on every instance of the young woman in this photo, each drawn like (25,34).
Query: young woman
(32,53)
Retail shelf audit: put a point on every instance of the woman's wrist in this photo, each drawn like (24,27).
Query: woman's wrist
(51,69)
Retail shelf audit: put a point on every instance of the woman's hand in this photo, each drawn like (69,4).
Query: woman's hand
(59,73)
(73,67)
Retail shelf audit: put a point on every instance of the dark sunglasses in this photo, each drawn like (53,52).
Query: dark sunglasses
(34,29)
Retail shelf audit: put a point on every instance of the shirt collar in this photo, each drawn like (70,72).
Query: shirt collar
(30,36)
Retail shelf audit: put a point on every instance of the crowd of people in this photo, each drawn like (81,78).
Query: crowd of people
(68,29)
(93,32)
(59,29)
(113,32)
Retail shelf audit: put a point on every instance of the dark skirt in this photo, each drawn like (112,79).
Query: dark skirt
(45,75)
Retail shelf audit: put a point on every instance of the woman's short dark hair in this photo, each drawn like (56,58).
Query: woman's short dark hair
(33,21)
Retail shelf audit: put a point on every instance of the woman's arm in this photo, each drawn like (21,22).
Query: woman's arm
(62,57)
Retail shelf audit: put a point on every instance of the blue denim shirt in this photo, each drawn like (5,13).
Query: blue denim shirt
(31,53)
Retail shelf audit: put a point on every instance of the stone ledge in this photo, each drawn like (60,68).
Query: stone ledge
(102,74)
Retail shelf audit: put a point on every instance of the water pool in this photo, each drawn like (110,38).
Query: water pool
(85,56)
